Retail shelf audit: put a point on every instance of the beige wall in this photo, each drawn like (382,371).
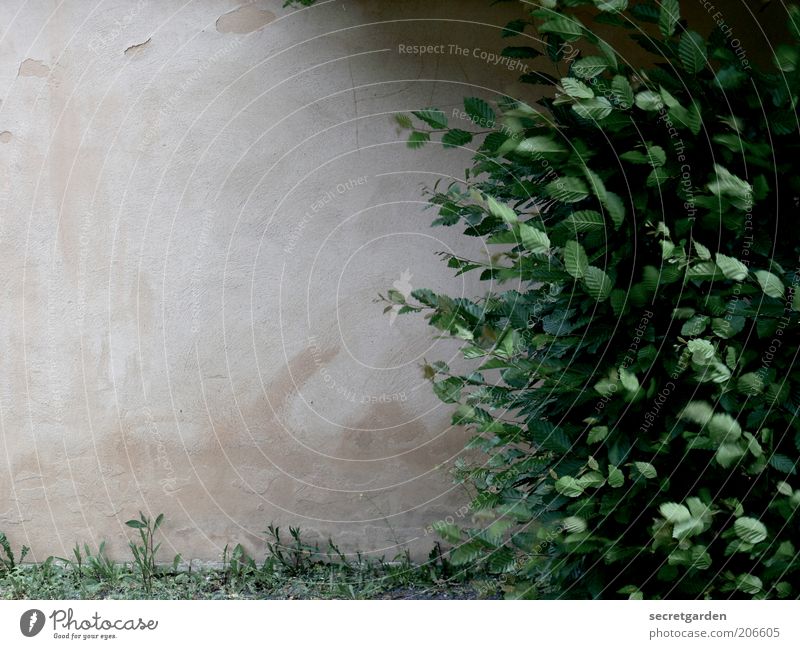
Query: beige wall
(200,202)
(198,210)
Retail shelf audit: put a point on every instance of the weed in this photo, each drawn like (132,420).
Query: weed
(292,569)
(296,556)
(7,560)
(239,567)
(144,552)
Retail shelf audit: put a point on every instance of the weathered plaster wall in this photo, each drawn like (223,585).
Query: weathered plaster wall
(200,203)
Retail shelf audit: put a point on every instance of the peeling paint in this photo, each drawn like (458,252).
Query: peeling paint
(244,20)
(136,47)
(33,68)
(5,137)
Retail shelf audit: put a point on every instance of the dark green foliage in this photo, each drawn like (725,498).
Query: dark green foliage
(635,387)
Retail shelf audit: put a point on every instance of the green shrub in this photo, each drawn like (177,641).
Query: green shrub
(634,383)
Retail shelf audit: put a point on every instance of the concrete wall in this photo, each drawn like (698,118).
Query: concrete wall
(200,203)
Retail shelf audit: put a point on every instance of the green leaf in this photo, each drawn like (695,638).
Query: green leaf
(649,100)
(703,352)
(449,390)
(479,112)
(514,28)
(609,53)
(786,57)
(701,251)
(569,189)
(782,463)
(731,268)
(614,6)
(575,260)
(505,344)
(695,325)
(598,284)
(652,155)
(645,12)
(584,221)
(750,384)
(749,584)
(668,17)
(456,137)
(793,20)
(704,270)
(576,89)
(634,157)
(726,185)
(433,117)
(622,92)
(403,120)
(770,284)
(594,109)
(674,512)
(628,380)
(135,524)
(692,52)
(698,521)
(417,139)
(616,209)
(657,178)
(686,529)
(501,210)
(533,239)
(592,479)
(605,387)
(727,327)
(569,486)
(750,530)
(574,524)
(549,437)
(449,532)
(563,26)
(466,553)
(730,77)
(646,469)
(729,454)
(698,412)
(724,428)
(540,144)
(597,434)
(589,67)
(596,184)
(616,477)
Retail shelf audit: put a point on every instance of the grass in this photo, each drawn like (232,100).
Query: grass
(291,569)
